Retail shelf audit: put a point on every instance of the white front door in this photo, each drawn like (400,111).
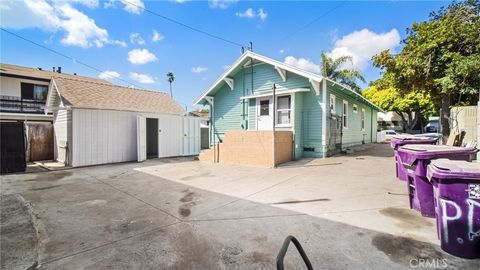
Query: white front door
(264,113)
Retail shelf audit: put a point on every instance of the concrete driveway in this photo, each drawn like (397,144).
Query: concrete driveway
(348,212)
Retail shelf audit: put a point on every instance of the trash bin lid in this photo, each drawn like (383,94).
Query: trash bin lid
(440,149)
(400,140)
(453,169)
(412,152)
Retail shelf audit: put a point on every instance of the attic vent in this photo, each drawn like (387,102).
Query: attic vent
(309,149)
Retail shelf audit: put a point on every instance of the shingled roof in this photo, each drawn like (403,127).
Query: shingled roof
(13,70)
(80,93)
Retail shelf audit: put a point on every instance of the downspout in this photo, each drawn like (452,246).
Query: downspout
(324,118)
(273,127)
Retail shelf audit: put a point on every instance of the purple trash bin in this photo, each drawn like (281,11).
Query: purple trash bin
(398,141)
(415,159)
(456,186)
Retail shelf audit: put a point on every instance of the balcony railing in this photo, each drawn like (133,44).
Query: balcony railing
(19,105)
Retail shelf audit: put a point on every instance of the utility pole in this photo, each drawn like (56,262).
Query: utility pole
(273,127)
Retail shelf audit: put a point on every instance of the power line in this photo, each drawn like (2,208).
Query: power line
(184,25)
(66,56)
(314,20)
(73,59)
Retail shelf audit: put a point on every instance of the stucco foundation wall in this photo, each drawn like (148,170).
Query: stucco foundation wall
(255,148)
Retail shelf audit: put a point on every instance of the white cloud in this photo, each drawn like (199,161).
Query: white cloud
(262,14)
(362,45)
(87,3)
(302,63)
(135,38)
(141,56)
(132,6)
(222,4)
(225,67)
(109,74)
(141,78)
(246,14)
(250,13)
(181,1)
(119,43)
(281,51)
(80,30)
(199,69)
(156,36)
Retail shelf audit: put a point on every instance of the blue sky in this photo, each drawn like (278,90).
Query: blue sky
(117,37)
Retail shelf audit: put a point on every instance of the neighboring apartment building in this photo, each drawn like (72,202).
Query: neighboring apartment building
(23,93)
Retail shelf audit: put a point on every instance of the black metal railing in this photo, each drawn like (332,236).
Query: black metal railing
(283,251)
(17,104)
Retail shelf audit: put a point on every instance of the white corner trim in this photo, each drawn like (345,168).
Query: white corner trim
(282,72)
(229,81)
(315,85)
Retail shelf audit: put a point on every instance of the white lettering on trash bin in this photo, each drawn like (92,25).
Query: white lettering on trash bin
(446,218)
(471,209)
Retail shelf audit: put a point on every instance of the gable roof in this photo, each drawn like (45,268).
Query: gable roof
(88,94)
(26,72)
(244,58)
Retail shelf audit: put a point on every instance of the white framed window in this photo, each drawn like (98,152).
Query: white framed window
(284,110)
(362,117)
(332,103)
(345,114)
(355,108)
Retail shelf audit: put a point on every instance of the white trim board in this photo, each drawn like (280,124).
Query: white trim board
(277,93)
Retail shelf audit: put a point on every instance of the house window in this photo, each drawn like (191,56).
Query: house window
(355,108)
(363,119)
(345,114)
(265,107)
(284,110)
(33,91)
(332,103)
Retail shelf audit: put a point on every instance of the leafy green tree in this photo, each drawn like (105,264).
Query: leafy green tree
(330,68)
(410,106)
(441,57)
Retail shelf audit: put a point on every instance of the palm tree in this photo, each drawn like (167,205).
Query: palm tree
(170,78)
(331,69)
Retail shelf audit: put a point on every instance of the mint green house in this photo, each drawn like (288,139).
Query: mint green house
(324,116)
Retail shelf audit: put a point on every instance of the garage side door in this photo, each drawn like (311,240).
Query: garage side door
(103,136)
(170,136)
(191,136)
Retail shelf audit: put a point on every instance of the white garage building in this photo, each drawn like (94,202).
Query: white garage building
(99,123)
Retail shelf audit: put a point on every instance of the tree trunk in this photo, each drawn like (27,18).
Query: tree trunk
(409,123)
(403,120)
(414,120)
(445,117)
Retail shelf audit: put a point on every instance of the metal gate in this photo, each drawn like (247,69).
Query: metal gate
(334,135)
(12,142)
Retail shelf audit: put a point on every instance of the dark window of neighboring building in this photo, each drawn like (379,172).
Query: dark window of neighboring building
(27,90)
(33,92)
